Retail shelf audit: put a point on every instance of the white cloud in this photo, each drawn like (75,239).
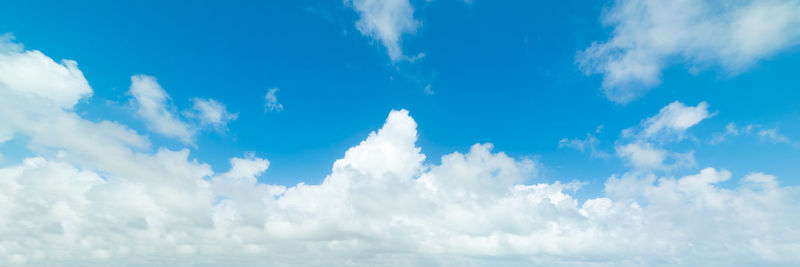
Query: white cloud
(60,85)
(386,21)
(96,195)
(155,107)
(209,112)
(644,156)
(643,149)
(271,103)
(671,122)
(649,36)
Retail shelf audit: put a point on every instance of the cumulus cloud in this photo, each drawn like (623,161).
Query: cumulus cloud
(209,112)
(96,194)
(153,104)
(386,21)
(271,103)
(649,36)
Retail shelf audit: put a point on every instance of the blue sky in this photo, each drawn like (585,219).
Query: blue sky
(525,76)
(503,73)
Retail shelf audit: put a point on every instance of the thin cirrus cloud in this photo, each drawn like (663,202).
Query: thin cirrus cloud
(650,36)
(97,194)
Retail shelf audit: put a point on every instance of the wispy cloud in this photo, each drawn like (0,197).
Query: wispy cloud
(649,36)
(386,21)
(771,135)
(154,106)
(271,103)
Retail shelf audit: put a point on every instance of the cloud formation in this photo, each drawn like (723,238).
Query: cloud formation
(209,112)
(97,193)
(771,135)
(590,142)
(153,104)
(649,36)
(386,21)
(271,103)
(646,156)
(671,122)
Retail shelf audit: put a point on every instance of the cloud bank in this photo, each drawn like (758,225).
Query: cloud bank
(649,36)
(99,193)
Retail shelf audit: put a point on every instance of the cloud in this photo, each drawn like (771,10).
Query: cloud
(649,36)
(209,112)
(644,156)
(671,122)
(97,194)
(59,84)
(642,146)
(154,106)
(771,135)
(427,90)
(271,103)
(386,21)
(732,130)
(590,142)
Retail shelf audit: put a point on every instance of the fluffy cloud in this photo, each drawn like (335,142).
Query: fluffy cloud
(96,194)
(155,107)
(648,36)
(645,156)
(386,21)
(60,85)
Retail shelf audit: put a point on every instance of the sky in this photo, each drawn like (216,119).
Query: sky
(400,132)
